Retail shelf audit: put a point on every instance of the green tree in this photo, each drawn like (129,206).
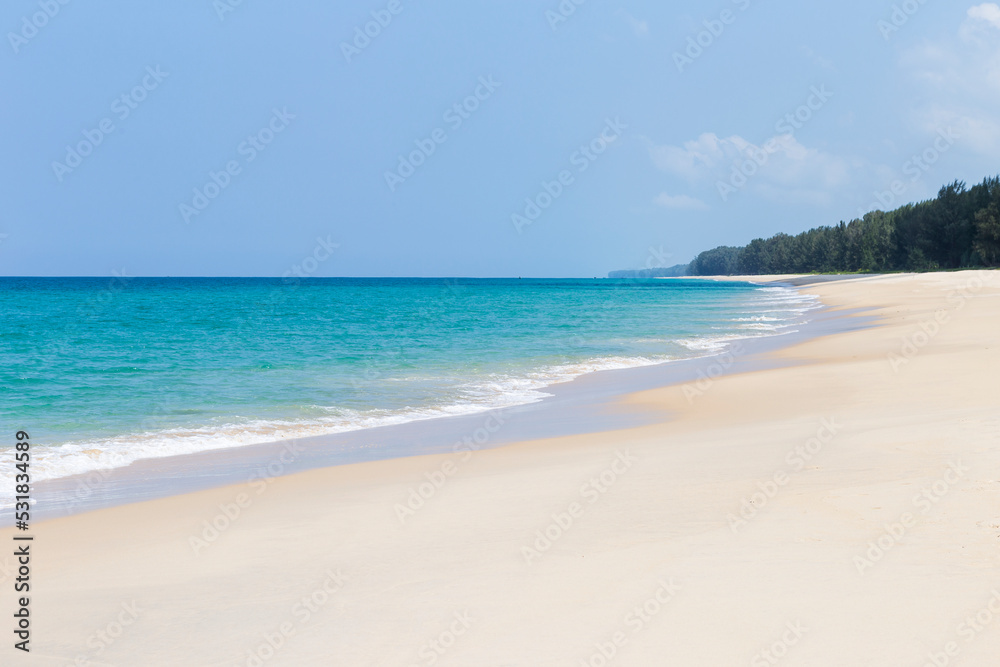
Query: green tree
(987,243)
(959,228)
(721,261)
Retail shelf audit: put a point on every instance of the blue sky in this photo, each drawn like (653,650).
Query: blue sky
(472,139)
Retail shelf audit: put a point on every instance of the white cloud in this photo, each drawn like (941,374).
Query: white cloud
(781,168)
(825,63)
(988,12)
(974,128)
(692,158)
(681,202)
(961,79)
(640,28)
(954,82)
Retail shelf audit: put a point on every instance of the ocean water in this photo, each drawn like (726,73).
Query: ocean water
(102,372)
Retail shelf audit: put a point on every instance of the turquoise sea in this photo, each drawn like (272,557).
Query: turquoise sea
(102,372)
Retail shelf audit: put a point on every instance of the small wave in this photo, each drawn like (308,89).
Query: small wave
(497,391)
(772,314)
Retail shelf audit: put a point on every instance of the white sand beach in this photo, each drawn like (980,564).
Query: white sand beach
(841,510)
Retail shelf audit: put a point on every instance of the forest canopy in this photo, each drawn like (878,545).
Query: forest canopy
(959,229)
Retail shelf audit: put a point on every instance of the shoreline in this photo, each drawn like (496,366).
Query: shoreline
(585,404)
(796,508)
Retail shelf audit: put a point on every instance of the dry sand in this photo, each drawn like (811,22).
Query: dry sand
(743,531)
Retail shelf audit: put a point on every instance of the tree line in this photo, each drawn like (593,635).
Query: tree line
(959,229)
